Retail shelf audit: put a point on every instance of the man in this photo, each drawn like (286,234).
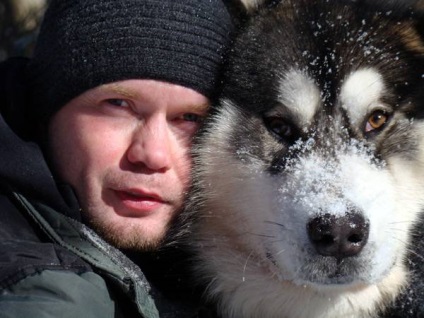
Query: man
(95,134)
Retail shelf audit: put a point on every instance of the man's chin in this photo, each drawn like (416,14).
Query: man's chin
(136,238)
(140,244)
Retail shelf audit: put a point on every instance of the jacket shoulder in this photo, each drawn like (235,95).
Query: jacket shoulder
(48,259)
(58,293)
(24,250)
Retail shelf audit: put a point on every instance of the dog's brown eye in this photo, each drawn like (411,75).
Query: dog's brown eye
(279,127)
(376,121)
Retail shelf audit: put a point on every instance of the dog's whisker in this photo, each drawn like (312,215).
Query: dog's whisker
(399,222)
(280,252)
(293,222)
(409,249)
(245,267)
(388,230)
(276,223)
(276,241)
(261,235)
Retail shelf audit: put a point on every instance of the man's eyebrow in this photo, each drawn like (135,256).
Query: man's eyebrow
(132,94)
(200,108)
(118,89)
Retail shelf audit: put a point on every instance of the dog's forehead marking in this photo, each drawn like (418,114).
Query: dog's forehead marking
(300,94)
(361,92)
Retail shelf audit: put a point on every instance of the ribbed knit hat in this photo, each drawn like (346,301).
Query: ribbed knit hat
(85,43)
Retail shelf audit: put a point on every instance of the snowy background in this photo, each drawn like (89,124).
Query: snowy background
(19,21)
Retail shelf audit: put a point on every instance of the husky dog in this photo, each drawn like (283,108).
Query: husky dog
(309,174)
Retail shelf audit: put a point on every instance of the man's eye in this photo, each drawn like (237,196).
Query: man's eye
(118,102)
(192,117)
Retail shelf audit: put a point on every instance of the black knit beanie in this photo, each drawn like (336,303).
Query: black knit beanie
(85,43)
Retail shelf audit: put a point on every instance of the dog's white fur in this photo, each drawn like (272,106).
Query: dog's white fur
(299,93)
(361,93)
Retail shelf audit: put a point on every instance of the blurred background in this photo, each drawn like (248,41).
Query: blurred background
(19,22)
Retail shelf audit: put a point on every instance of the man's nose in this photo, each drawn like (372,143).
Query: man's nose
(151,145)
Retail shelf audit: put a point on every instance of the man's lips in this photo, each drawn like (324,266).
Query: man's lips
(139,195)
(138,202)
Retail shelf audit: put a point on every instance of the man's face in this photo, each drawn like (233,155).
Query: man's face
(124,147)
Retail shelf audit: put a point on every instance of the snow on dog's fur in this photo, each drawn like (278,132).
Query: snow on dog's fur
(309,174)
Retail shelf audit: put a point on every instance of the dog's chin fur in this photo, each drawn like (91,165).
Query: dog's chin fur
(253,289)
(292,141)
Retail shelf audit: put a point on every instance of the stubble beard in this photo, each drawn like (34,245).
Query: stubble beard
(133,239)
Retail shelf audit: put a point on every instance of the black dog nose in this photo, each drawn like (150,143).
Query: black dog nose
(339,237)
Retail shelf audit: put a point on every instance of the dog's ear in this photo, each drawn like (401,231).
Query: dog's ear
(252,5)
(420,5)
(238,11)
(246,7)
(419,13)
(241,10)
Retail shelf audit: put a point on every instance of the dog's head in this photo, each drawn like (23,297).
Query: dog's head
(312,164)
